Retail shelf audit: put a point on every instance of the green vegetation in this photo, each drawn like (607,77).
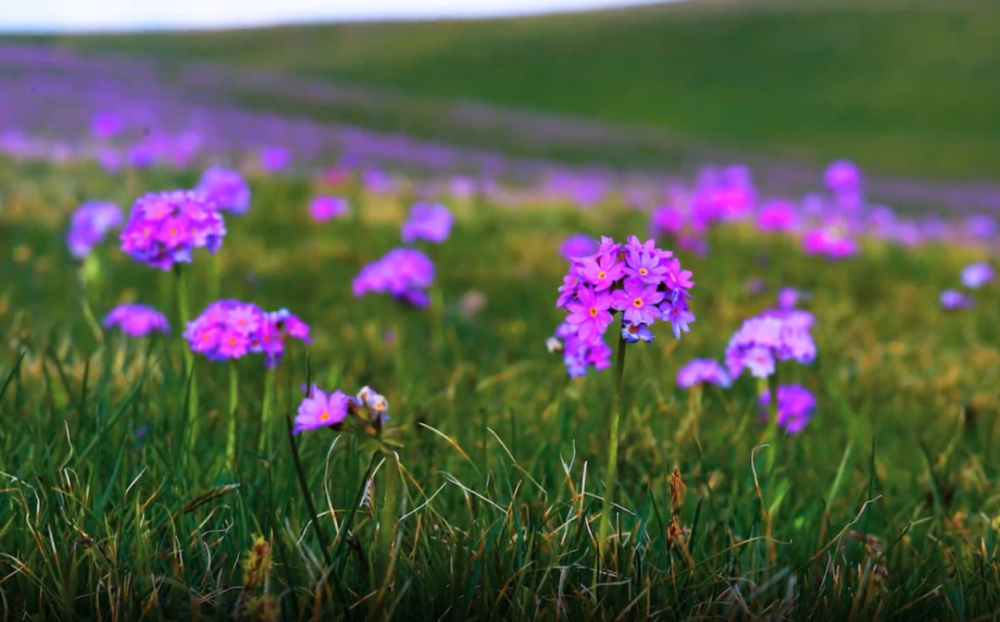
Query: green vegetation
(901,86)
(104,514)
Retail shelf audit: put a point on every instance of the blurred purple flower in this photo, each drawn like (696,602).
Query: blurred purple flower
(976,275)
(826,242)
(226,188)
(953,299)
(274,159)
(764,340)
(136,320)
(778,215)
(429,222)
(796,406)
(700,371)
(325,207)
(404,273)
(789,297)
(89,224)
(578,245)
(319,410)
(164,227)
(106,125)
(842,176)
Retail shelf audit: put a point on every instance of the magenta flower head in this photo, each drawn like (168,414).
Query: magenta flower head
(796,406)
(952,300)
(164,227)
(842,176)
(789,297)
(106,125)
(226,188)
(429,222)
(274,159)
(321,410)
(764,340)
(226,330)
(667,220)
(326,207)
(778,215)
(828,243)
(638,280)
(89,224)
(404,273)
(703,371)
(136,320)
(578,245)
(976,275)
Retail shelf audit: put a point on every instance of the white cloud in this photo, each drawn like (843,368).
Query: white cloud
(127,14)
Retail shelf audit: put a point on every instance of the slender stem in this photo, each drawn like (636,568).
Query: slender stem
(388,515)
(772,415)
(88,313)
(184,308)
(214,276)
(612,471)
(265,417)
(234,398)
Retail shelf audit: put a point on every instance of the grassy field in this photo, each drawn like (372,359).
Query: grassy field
(900,86)
(106,511)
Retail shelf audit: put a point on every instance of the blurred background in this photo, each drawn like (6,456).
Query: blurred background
(907,89)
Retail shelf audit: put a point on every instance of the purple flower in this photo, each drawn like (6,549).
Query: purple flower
(775,336)
(789,297)
(637,301)
(274,159)
(645,266)
(828,243)
(700,371)
(226,188)
(579,355)
(323,208)
(106,125)
(778,215)
(231,329)
(796,406)
(89,224)
(165,227)
(403,273)
(981,226)
(633,333)
(601,270)
(578,245)
(677,313)
(428,222)
(589,313)
(667,220)
(976,275)
(320,410)
(842,176)
(136,320)
(952,299)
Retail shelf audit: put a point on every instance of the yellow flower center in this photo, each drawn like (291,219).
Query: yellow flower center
(637,303)
(593,312)
(324,416)
(643,271)
(601,275)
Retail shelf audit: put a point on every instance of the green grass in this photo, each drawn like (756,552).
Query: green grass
(106,514)
(901,86)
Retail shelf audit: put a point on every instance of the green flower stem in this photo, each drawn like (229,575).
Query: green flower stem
(89,268)
(612,471)
(388,516)
(265,418)
(214,277)
(770,384)
(234,399)
(184,307)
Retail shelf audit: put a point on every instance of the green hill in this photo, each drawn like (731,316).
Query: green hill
(902,86)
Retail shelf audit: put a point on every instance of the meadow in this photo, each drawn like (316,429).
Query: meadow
(813,441)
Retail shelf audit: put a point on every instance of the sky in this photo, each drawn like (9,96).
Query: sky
(83,15)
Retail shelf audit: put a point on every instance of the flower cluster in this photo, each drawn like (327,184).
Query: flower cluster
(89,224)
(770,337)
(578,245)
(330,410)
(226,188)
(429,222)
(702,371)
(642,282)
(230,329)
(796,406)
(578,354)
(404,273)
(325,207)
(829,243)
(164,227)
(136,320)
(778,215)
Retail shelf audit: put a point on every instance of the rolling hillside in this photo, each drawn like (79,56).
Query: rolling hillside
(905,87)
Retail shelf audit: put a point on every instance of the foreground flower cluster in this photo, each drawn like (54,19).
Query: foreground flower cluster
(639,280)
(330,410)
(231,329)
(164,227)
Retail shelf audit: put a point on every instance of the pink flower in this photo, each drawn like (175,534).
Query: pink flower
(590,314)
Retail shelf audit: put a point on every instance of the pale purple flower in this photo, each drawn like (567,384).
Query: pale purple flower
(842,176)
(430,222)
(953,299)
(165,227)
(136,320)
(589,314)
(677,313)
(274,159)
(976,275)
(703,371)
(637,301)
(226,188)
(325,207)
(773,336)
(778,215)
(578,245)
(601,270)
(796,406)
(404,273)
(320,410)
(89,224)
